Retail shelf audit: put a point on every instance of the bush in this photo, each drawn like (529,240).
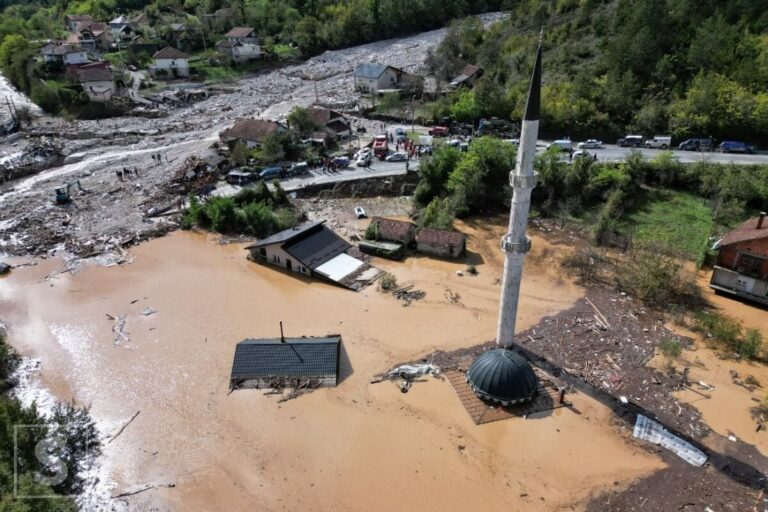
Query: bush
(752,345)
(372,232)
(583,260)
(671,348)
(657,279)
(387,281)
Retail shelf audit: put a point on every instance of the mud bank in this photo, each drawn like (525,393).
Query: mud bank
(357,445)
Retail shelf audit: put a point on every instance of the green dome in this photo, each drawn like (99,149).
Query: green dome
(502,376)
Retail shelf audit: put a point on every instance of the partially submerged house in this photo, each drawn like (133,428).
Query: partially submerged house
(441,242)
(97,82)
(467,77)
(170,62)
(251,132)
(313,250)
(373,77)
(392,230)
(332,122)
(67,55)
(742,261)
(286,362)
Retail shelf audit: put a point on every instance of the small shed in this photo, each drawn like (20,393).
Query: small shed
(282,362)
(441,242)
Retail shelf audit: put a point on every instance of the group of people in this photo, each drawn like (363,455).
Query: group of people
(158,158)
(127,172)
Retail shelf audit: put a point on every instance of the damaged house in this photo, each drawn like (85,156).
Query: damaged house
(335,124)
(742,261)
(441,242)
(251,132)
(313,250)
(97,82)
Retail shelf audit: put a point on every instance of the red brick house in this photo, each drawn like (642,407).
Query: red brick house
(441,242)
(393,230)
(742,263)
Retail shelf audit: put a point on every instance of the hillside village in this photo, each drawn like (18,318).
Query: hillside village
(249,259)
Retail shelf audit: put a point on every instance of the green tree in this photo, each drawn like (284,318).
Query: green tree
(300,121)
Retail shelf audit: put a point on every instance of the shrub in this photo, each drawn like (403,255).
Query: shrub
(387,281)
(372,232)
(657,279)
(583,260)
(671,348)
(752,344)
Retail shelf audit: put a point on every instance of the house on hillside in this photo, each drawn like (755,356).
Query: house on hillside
(97,82)
(467,77)
(263,363)
(371,78)
(334,123)
(742,261)
(73,19)
(441,242)
(119,24)
(63,54)
(237,51)
(170,62)
(245,35)
(250,132)
(312,250)
(91,36)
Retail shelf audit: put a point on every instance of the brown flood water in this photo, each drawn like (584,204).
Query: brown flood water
(726,408)
(355,447)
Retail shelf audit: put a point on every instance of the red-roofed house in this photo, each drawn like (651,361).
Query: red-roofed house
(245,35)
(742,263)
(97,82)
(441,242)
(393,230)
(251,132)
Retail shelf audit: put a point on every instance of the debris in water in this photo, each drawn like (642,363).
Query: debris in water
(148,311)
(118,330)
(654,432)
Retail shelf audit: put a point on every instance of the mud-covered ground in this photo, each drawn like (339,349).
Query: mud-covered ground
(112,211)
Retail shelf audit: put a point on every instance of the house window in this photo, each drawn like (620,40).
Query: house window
(276,258)
(750,265)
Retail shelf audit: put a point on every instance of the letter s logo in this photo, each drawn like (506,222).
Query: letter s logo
(48,452)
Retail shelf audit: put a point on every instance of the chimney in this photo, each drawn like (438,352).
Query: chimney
(760,220)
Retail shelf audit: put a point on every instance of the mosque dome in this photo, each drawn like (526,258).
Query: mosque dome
(502,376)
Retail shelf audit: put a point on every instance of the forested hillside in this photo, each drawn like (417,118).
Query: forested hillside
(685,67)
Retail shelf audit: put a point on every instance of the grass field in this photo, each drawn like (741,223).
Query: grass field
(678,220)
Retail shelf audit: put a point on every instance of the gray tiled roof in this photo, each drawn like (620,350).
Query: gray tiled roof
(372,71)
(317,247)
(296,358)
(288,234)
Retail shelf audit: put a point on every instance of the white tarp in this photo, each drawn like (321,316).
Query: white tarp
(654,432)
(339,267)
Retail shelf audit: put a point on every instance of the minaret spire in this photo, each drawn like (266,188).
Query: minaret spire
(515,243)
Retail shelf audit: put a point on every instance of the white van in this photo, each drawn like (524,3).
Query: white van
(659,142)
(562,145)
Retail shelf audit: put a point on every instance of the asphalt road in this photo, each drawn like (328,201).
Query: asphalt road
(613,153)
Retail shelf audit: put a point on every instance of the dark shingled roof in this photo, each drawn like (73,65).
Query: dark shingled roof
(391,229)
(503,376)
(316,247)
(169,52)
(94,75)
(296,358)
(323,116)
(254,130)
(373,70)
(441,237)
(286,235)
(226,44)
(746,232)
(239,32)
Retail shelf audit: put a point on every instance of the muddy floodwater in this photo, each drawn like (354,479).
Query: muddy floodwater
(358,446)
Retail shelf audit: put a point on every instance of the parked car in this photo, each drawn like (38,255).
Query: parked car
(399,134)
(298,169)
(425,150)
(697,144)
(582,153)
(659,142)
(561,145)
(734,146)
(240,177)
(364,160)
(590,144)
(630,141)
(397,157)
(341,161)
(271,172)
(438,131)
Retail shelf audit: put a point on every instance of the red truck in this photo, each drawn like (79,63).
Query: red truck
(380,148)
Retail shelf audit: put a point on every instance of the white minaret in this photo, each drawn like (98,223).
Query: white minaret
(523,180)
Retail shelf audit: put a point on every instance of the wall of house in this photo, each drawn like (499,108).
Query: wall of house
(440,250)
(728,256)
(180,65)
(247,52)
(275,255)
(99,91)
(365,84)
(326,381)
(76,58)
(387,80)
